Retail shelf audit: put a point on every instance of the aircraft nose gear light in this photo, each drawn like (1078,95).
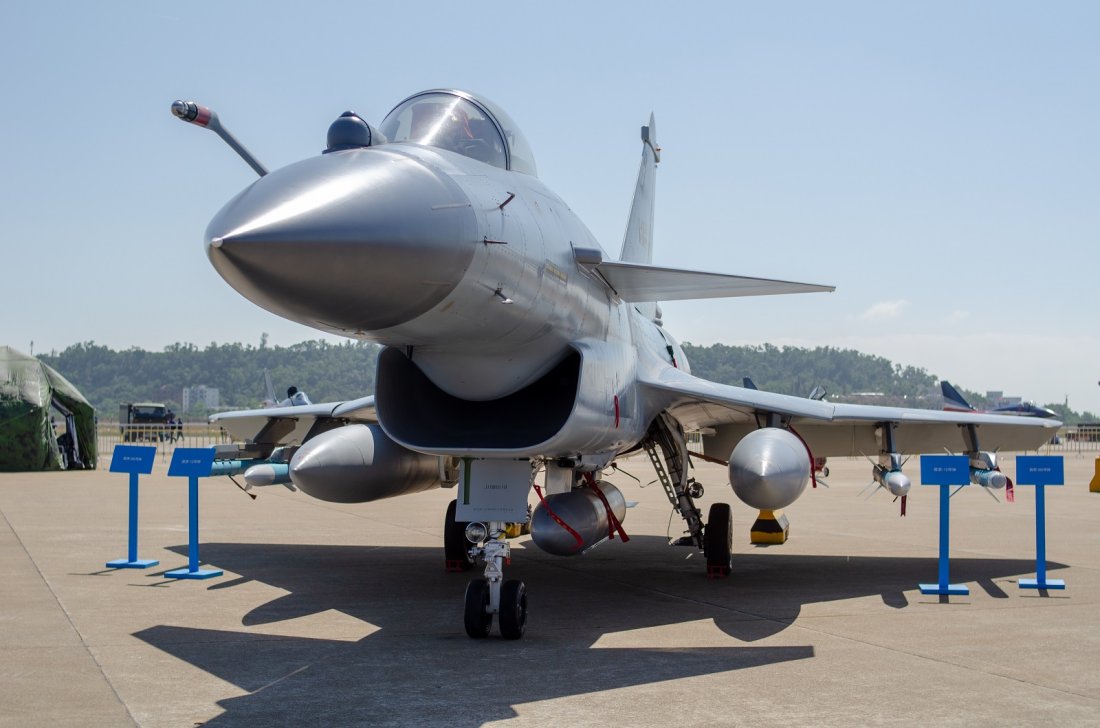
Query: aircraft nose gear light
(476,532)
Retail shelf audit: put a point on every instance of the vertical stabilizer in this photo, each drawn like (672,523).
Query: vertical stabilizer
(638,241)
(952,400)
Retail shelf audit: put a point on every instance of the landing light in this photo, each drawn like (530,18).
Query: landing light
(476,532)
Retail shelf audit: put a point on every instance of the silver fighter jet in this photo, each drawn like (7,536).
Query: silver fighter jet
(518,355)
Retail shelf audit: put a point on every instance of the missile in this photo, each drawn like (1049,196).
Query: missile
(894,481)
(993,479)
(264,474)
(984,470)
(229,467)
(769,468)
(583,511)
(360,463)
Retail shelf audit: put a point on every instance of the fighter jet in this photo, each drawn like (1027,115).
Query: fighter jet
(953,401)
(518,354)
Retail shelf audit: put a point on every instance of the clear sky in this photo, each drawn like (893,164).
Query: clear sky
(936,161)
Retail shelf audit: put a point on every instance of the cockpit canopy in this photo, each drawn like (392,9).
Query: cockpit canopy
(461,122)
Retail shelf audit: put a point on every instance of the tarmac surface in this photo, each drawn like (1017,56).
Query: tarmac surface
(343,615)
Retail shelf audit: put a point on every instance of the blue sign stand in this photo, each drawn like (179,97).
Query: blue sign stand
(1040,471)
(192,463)
(944,471)
(135,460)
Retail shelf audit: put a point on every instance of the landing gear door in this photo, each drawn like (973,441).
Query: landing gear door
(493,490)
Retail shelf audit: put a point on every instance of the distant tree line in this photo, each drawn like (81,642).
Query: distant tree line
(333,372)
(847,375)
(844,373)
(326,372)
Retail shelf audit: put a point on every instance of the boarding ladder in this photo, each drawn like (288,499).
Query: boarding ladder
(667,435)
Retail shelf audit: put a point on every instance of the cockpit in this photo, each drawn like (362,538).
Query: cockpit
(463,123)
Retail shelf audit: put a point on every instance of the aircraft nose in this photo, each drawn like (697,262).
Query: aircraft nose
(352,241)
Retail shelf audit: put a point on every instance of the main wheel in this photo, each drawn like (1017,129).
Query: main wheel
(513,609)
(478,621)
(718,539)
(456,549)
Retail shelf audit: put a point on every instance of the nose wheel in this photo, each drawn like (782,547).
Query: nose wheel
(478,618)
(513,609)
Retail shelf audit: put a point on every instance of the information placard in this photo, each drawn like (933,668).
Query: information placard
(191,462)
(133,459)
(493,490)
(1040,470)
(944,470)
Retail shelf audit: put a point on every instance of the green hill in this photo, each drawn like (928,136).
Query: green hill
(329,372)
(326,372)
(846,374)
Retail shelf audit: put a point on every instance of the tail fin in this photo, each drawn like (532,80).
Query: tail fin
(638,241)
(952,400)
(747,383)
(269,390)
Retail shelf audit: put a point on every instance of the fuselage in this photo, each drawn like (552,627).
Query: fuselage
(1025,409)
(464,268)
(1022,409)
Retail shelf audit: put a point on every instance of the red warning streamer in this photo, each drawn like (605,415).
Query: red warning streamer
(813,475)
(613,524)
(576,536)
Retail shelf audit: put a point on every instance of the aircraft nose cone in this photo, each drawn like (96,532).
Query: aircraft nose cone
(351,242)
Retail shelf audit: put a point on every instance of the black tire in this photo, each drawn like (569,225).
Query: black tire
(456,549)
(718,538)
(825,472)
(513,609)
(478,621)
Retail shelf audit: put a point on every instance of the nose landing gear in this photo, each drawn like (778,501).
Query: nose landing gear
(492,594)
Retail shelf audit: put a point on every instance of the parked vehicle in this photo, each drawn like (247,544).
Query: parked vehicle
(148,421)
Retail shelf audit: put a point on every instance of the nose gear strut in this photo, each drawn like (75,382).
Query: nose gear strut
(492,595)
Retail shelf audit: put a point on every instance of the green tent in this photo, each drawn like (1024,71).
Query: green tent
(45,422)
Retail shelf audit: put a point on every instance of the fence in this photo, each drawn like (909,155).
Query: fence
(1075,440)
(165,438)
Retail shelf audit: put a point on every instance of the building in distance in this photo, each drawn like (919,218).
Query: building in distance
(200,396)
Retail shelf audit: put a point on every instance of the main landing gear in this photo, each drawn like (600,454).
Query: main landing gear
(715,538)
(490,594)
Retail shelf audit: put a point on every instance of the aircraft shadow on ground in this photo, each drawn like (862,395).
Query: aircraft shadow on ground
(419,667)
